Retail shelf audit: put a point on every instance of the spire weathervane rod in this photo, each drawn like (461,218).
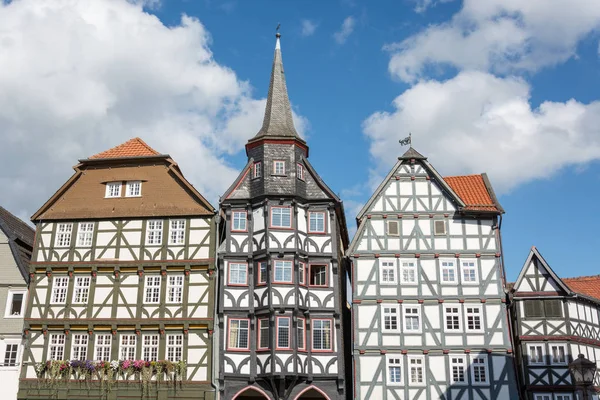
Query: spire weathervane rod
(407,140)
(277,30)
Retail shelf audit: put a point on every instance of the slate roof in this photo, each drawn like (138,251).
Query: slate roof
(21,237)
(585,285)
(474,191)
(135,147)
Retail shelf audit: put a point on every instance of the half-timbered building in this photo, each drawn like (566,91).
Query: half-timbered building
(283,236)
(429,310)
(554,320)
(121,288)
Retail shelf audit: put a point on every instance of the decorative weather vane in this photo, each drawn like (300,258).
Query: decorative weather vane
(277,30)
(407,140)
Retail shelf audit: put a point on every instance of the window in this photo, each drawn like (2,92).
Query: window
(263,333)
(563,397)
(256,170)
(452,318)
(448,271)
(473,318)
(302,273)
(439,227)
(390,317)
(59,290)
(558,354)
(238,274)
(238,333)
(57,346)
(283,333)
(416,370)
(300,171)
(318,275)
(154,235)
(81,290)
(128,347)
(283,272)
(63,236)
(479,369)
(262,272)
(408,271)
(177,232)
(412,319)
(150,347)
(239,221)
(457,365)
(394,370)
(392,228)
(113,189)
(536,354)
(10,355)
(278,167)
(316,222)
(301,334)
(174,347)
(534,308)
(388,272)
(103,343)
(79,349)
(553,308)
(545,396)
(469,272)
(134,189)
(175,289)
(15,304)
(84,234)
(281,217)
(152,289)
(321,334)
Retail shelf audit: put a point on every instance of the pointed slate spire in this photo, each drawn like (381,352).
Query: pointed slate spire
(278,122)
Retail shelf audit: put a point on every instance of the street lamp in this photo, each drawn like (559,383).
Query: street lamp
(583,371)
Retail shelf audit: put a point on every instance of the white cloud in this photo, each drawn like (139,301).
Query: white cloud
(79,77)
(498,35)
(308,27)
(477,122)
(422,5)
(345,30)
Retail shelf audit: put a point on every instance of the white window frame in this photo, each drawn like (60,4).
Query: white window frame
(239,218)
(63,235)
(59,291)
(325,330)
(256,170)
(317,228)
(565,396)
(263,273)
(537,346)
(386,311)
(284,266)
(85,234)
(240,329)
(81,289)
(473,364)
(450,266)
(301,333)
(152,286)
(385,267)
(289,210)
(175,347)
(235,279)
(127,347)
(174,289)
(56,346)
(302,270)
(462,364)
(543,396)
(285,330)
(154,231)
(79,346)
(5,363)
(300,171)
(319,275)
(420,365)
(150,347)
(406,314)
(468,314)
(551,353)
(134,189)
(458,314)
(103,347)
(9,303)
(405,265)
(464,268)
(177,231)
(394,361)
(276,169)
(113,190)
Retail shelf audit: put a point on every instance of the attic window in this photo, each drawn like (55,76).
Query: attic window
(392,228)
(113,189)
(300,171)
(256,171)
(134,189)
(439,227)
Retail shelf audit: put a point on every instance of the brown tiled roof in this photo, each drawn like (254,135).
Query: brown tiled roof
(135,147)
(472,191)
(586,285)
(17,228)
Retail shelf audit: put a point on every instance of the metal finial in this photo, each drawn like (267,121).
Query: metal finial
(277,30)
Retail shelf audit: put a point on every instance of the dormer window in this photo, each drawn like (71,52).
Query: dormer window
(278,167)
(300,171)
(256,170)
(113,189)
(134,189)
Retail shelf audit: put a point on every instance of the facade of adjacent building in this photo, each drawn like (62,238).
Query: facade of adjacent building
(16,243)
(429,311)
(121,283)
(554,320)
(281,268)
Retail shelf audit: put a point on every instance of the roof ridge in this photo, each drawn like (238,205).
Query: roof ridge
(134,147)
(460,176)
(583,277)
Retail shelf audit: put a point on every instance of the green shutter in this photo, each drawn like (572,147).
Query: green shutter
(534,308)
(553,308)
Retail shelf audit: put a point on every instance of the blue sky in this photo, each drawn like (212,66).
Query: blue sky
(494,86)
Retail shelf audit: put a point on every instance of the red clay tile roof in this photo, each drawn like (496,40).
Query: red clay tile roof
(586,285)
(135,147)
(472,191)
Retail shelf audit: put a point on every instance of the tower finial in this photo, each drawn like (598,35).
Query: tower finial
(277,35)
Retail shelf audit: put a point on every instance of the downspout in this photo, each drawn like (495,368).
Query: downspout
(216,334)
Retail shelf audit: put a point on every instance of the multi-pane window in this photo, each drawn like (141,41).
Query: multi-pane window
(469,272)
(563,396)
(103,344)
(408,269)
(238,333)
(262,272)
(239,221)
(10,354)
(56,347)
(152,289)
(390,318)
(416,370)
(177,231)
(113,189)
(256,170)
(536,354)
(558,354)
(318,275)
(283,271)
(300,171)
(301,335)
(238,274)
(85,232)
(154,231)
(448,271)
(283,333)
(263,328)
(150,347)
(302,273)
(127,349)
(457,365)
(81,289)
(278,167)
(175,289)
(479,369)
(473,318)
(388,272)
(394,370)
(14,305)
(316,222)
(59,290)
(544,396)
(321,334)
(392,228)
(63,235)
(412,319)
(174,347)
(80,345)
(281,217)
(134,189)
(452,318)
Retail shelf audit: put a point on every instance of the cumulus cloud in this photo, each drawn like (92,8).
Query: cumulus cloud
(345,30)
(308,27)
(422,5)
(501,36)
(478,122)
(79,77)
